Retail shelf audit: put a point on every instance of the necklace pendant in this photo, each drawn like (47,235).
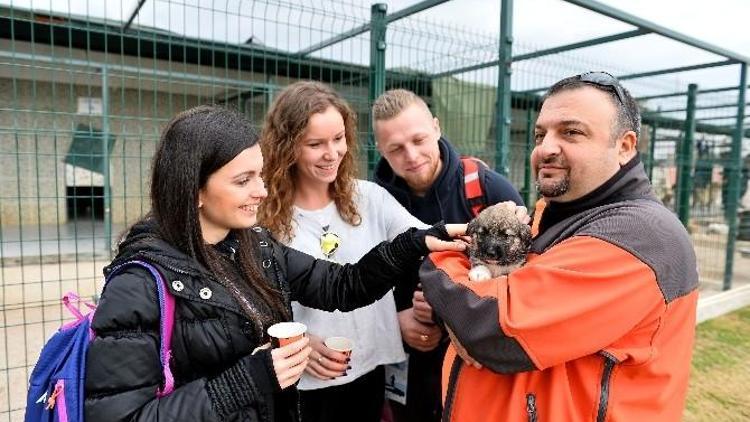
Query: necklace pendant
(329,243)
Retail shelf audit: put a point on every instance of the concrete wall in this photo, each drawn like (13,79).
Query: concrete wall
(39,113)
(36,130)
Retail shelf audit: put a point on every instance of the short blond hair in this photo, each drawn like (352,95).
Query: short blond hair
(390,103)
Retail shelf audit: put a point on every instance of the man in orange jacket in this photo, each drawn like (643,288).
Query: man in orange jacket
(599,324)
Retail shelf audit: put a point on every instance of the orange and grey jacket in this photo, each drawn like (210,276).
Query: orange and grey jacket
(597,326)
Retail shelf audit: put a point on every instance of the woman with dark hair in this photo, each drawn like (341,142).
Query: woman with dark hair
(317,206)
(230,279)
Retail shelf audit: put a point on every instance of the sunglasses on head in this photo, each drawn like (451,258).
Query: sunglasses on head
(604,80)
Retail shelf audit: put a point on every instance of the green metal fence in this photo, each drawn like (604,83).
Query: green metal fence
(86,87)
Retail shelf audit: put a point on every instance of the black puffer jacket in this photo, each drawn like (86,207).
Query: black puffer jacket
(216,377)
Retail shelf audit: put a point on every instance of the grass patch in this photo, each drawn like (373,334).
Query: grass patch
(720,376)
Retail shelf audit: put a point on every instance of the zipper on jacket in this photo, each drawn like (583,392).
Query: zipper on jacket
(450,394)
(609,365)
(162,263)
(531,407)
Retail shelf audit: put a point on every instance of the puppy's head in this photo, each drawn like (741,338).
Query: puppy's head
(498,237)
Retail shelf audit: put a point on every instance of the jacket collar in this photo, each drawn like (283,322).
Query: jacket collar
(144,240)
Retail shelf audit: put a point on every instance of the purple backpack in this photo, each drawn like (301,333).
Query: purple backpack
(56,385)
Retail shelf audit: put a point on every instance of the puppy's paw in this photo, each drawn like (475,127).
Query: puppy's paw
(480,273)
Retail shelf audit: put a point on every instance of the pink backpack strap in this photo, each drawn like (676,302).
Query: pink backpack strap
(166,322)
(70,300)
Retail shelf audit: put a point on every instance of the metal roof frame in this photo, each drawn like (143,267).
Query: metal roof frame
(408,11)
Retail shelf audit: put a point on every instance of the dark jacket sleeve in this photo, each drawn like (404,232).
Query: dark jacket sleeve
(498,189)
(329,286)
(123,369)
(404,291)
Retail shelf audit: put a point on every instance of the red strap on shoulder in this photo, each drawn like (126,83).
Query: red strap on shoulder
(472,186)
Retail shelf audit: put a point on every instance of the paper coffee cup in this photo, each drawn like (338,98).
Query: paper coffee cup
(339,344)
(283,333)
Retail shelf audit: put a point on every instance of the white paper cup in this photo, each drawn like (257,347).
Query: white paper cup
(283,333)
(340,344)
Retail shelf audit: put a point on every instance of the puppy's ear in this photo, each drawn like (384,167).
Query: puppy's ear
(472,227)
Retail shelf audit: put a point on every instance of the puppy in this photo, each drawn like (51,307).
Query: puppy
(499,242)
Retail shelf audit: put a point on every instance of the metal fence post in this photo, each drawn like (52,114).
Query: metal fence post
(526,192)
(685,159)
(105,164)
(735,169)
(378,25)
(652,148)
(503,117)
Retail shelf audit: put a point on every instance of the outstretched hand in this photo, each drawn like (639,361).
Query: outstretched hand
(439,242)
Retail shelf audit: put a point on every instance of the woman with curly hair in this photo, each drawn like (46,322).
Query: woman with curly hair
(316,205)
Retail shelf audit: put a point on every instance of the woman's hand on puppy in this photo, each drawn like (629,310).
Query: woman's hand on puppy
(290,361)
(446,237)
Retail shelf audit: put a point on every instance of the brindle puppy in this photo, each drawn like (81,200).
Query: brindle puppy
(499,242)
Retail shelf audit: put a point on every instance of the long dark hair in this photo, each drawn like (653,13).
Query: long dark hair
(195,144)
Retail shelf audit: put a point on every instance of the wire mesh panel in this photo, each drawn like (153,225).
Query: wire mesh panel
(88,85)
(705,198)
(86,92)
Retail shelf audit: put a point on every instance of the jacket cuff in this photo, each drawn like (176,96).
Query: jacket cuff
(248,383)
(406,247)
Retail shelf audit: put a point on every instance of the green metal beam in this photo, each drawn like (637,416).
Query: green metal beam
(504,110)
(651,151)
(166,74)
(105,163)
(582,44)
(133,15)
(528,147)
(678,69)
(377,72)
(733,116)
(685,160)
(622,16)
(679,94)
(675,110)
(415,8)
(735,169)
(669,122)
(545,52)
(655,73)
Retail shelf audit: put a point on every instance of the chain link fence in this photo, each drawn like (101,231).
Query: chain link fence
(87,87)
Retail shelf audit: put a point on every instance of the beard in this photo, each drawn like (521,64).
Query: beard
(553,189)
(424,180)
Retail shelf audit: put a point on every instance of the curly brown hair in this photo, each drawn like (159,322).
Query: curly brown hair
(283,128)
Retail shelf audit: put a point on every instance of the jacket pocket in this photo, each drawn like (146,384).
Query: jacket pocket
(604,386)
